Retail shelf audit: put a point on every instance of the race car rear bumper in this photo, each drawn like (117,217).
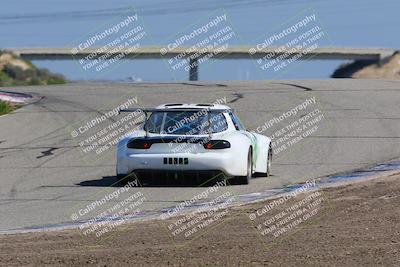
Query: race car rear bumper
(179,177)
(223,162)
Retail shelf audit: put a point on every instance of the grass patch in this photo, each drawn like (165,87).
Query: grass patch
(6,107)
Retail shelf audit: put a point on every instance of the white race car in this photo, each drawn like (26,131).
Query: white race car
(192,140)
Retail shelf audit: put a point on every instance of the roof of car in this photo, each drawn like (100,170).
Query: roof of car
(192,106)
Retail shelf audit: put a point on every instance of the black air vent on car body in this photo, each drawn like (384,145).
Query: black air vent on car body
(175,104)
(176,161)
(204,105)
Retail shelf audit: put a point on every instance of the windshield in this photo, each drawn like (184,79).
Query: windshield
(186,122)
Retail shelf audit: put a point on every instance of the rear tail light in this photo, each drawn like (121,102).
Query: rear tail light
(139,144)
(217,144)
(136,143)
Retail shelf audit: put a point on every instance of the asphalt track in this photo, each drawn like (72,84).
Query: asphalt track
(45,176)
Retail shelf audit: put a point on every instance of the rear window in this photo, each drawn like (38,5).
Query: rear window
(186,122)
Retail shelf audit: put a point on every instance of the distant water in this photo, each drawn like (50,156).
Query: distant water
(65,23)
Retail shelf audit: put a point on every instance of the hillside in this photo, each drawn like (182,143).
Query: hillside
(16,71)
(388,68)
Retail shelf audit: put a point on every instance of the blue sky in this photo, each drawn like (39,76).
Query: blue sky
(49,23)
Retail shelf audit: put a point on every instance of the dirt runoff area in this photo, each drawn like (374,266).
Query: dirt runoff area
(349,225)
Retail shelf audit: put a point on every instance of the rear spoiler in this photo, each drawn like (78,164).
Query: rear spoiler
(146,111)
(150,110)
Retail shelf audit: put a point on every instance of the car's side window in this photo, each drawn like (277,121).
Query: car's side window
(238,125)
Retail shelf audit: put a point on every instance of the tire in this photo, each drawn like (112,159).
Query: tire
(269,161)
(246,179)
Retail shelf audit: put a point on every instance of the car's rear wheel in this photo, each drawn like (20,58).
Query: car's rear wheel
(269,161)
(246,179)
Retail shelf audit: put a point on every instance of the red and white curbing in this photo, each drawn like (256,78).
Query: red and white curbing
(15,97)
